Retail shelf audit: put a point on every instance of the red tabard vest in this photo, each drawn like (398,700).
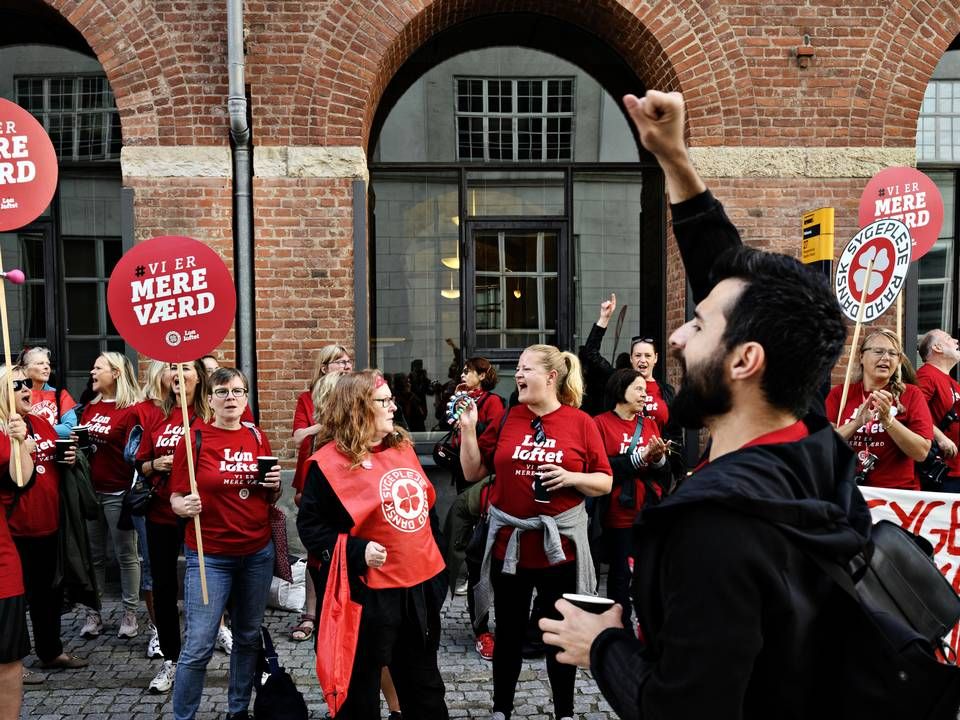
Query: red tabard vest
(389,498)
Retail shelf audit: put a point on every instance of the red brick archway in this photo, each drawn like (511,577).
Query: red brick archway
(677,46)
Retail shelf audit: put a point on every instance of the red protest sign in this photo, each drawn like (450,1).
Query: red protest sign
(907,195)
(887,244)
(172,298)
(28,167)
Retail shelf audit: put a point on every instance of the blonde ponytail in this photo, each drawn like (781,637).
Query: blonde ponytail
(569,374)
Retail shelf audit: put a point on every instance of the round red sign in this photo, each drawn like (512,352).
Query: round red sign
(28,167)
(875,261)
(907,195)
(172,298)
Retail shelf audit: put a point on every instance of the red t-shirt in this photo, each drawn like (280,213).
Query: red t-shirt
(45,404)
(942,393)
(573,442)
(656,407)
(110,427)
(11,573)
(235,515)
(37,512)
(161,438)
(303,418)
(894,468)
(617,435)
(149,413)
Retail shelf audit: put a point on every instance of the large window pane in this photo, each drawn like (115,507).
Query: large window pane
(83,309)
(514,193)
(606,212)
(415,262)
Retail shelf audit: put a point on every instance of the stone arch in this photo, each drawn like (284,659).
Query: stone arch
(350,60)
(887,95)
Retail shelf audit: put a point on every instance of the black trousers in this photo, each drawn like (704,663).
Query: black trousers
(38,557)
(163,545)
(473,577)
(512,594)
(620,548)
(391,635)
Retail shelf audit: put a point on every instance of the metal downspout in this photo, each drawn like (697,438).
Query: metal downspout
(245,330)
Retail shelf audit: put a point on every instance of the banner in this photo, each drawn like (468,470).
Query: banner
(934,516)
(907,195)
(28,167)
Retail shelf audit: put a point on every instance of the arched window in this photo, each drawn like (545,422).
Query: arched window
(508,198)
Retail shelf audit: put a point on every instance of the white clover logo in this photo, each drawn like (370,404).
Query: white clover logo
(881,263)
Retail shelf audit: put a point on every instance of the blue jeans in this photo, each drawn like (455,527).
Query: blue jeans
(146,578)
(244,582)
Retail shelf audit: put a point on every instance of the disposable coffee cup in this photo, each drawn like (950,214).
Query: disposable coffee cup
(540,493)
(265,464)
(591,603)
(63,447)
(83,436)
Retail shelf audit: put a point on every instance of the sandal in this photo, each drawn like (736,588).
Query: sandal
(303,631)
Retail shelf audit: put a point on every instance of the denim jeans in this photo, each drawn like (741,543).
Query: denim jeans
(146,577)
(243,581)
(124,548)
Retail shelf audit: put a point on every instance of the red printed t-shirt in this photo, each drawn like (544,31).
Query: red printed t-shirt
(942,394)
(303,418)
(44,402)
(656,407)
(161,438)
(109,429)
(573,442)
(37,512)
(894,468)
(11,573)
(617,435)
(235,516)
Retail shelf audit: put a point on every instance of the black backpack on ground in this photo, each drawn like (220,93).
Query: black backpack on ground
(277,696)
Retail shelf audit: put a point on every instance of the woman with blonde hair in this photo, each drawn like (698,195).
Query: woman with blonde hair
(330,362)
(366,483)
(887,422)
(547,456)
(109,418)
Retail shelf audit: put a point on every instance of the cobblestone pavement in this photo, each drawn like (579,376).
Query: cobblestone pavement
(114,685)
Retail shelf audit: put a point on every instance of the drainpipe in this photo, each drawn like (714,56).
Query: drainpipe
(245,330)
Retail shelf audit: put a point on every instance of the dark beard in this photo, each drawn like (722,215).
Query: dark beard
(703,394)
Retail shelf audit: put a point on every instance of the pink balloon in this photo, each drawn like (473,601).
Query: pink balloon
(15,276)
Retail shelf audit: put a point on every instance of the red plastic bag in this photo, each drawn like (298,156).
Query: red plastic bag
(338,631)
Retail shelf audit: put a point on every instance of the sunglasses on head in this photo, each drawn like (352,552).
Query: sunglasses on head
(641,339)
(539,436)
(19,385)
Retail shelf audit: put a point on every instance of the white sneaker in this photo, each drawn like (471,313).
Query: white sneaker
(461,589)
(128,626)
(498,716)
(153,647)
(164,679)
(225,639)
(93,625)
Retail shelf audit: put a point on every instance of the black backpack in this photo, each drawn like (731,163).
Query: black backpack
(277,696)
(890,612)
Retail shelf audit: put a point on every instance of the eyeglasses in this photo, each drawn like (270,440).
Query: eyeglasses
(237,392)
(882,352)
(340,362)
(539,436)
(386,402)
(19,385)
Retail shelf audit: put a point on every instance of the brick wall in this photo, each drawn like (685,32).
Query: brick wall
(317,71)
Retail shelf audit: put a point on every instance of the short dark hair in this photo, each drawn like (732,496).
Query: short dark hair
(617,384)
(223,375)
(788,309)
(482,366)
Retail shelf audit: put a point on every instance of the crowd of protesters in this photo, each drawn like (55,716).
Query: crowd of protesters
(562,491)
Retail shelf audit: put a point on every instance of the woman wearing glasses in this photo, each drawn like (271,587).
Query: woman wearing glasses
(887,422)
(331,360)
(545,439)
(234,518)
(110,417)
(366,483)
(162,423)
(33,515)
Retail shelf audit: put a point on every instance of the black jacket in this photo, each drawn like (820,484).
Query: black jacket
(733,609)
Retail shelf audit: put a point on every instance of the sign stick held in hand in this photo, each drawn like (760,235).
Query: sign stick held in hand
(853,344)
(17,278)
(185,413)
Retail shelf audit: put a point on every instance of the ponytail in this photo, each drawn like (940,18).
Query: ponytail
(569,374)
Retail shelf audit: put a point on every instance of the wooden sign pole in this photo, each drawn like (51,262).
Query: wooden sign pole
(12,409)
(853,344)
(193,478)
